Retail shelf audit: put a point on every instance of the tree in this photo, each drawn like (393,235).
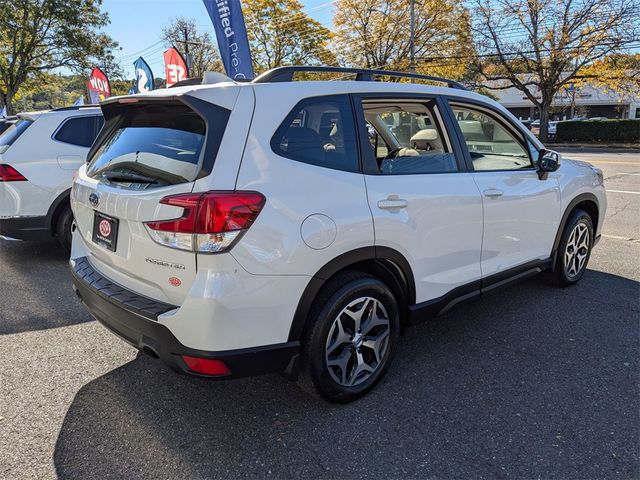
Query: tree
(41,35)
(376,34)
(280,33)
(184,35)
(618,74)
(542,46)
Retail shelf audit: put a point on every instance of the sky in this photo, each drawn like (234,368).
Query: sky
(137,25)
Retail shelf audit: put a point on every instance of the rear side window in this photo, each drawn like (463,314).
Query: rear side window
(12,133)
(319,131)
(80,131)
(162,143)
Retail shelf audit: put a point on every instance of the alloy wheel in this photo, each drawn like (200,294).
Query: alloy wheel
(577,250)
(358,341)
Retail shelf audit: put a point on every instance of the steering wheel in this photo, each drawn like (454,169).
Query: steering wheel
(392,153)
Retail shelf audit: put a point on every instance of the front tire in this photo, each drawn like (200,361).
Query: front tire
(351,338)
(574,249)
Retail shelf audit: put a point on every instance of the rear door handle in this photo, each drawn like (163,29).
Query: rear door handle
(493,192)
(392,202)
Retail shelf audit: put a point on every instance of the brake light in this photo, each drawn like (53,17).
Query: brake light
(10,174)
(210,222)
(206,366)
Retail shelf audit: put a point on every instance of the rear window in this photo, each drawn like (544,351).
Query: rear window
(81,131)
(11,134)
(151,145)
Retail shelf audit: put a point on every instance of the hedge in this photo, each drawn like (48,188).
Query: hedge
(599,131)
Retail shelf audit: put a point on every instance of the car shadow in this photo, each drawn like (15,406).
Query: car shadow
(532,382)
(35,288)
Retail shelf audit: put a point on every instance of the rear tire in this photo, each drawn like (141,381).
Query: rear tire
(350,339)
(63,227)
(574,249)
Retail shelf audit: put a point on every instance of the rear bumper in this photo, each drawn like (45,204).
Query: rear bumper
(25,228)
(134,319)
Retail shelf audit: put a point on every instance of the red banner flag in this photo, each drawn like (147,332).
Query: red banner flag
(175,68)
(98,86)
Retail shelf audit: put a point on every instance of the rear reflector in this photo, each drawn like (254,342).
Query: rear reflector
(210,222)
(10,174)
(206,366)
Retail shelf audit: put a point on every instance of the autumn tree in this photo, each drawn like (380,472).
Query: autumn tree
(376,34)
(542,46)
(618,74)
(40,35)
(280,33)
(203,52)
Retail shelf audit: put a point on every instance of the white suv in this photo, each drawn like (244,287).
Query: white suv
(233,229)
(39,155)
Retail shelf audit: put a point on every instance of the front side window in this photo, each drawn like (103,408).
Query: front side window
(407,139)
(80,131)
(491,145)
(154,145)
(319,131)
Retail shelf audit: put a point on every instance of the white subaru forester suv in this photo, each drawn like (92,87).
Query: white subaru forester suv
(233,229)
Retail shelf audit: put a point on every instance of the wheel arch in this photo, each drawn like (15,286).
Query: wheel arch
(382,262)
(585,201)
(56,209)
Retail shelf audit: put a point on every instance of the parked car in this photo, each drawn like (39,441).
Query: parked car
(39,154)
(551,128)
(234,229)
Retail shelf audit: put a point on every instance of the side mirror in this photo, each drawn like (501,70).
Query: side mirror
(548,161)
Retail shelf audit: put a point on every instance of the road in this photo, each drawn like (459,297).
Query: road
(530,382)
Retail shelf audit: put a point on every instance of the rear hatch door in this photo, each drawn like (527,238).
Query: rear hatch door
(150,148)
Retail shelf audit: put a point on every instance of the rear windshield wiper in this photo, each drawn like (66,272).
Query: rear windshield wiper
(114,176)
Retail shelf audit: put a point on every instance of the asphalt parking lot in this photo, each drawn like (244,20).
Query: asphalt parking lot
(530,382)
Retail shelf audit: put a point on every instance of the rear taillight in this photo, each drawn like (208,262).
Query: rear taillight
(10,174)
(210,222)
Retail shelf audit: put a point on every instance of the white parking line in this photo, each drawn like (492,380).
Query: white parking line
(618,237)
(623,191)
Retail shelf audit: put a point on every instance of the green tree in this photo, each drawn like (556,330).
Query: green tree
(376,34)
(280,33)
(184,35)
(543,46)
(37,36)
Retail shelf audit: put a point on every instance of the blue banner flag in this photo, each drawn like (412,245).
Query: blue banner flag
(231,33)
(144,76)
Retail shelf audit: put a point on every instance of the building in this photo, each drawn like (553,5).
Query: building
(581,101)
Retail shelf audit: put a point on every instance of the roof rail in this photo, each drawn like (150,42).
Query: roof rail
(74,107)
(285,74)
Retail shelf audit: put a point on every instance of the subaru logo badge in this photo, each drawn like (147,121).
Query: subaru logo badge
(94,199)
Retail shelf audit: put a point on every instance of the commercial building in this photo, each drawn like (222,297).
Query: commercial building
(580,101)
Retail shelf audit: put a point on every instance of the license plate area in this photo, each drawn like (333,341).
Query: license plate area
(105,231)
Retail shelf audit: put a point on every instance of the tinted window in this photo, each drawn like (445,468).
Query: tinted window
(79,131)
(161,142)
(12,133)
(319,131)
(406,139)
(491,145)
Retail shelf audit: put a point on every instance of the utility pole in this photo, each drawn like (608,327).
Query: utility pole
(412,38)
(187,55)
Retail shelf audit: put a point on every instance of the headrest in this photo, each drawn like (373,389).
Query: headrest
(427,135)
